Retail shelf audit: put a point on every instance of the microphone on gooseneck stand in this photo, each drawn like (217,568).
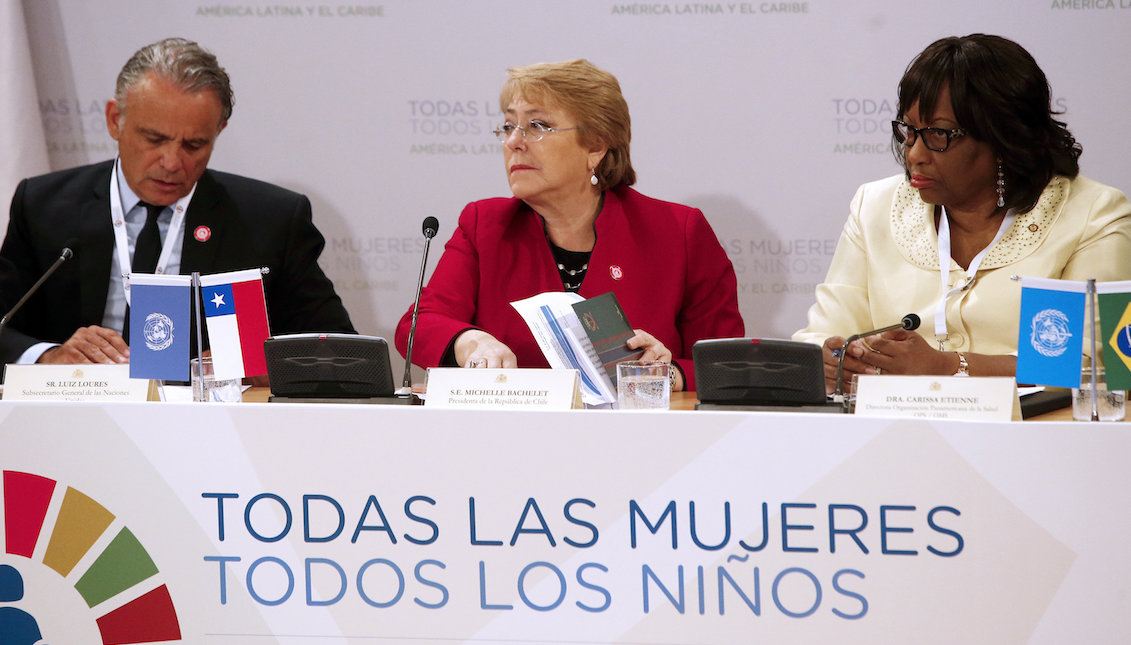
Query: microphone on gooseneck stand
(64,255)
(431,225)
(910,322)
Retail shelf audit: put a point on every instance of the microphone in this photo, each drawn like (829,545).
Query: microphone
(431,225)
(64,255)
(910,322)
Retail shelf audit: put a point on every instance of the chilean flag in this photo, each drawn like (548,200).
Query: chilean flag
(236,313)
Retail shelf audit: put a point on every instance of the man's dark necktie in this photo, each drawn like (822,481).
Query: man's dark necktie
(148,248)
(146,252)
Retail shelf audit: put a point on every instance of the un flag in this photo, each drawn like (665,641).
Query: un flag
(1050,340)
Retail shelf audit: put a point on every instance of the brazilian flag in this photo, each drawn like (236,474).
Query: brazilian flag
(1115,332)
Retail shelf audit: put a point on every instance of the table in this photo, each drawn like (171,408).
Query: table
(682,401)
(280,523)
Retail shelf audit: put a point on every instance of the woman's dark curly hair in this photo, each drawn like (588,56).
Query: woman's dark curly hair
(1000,96)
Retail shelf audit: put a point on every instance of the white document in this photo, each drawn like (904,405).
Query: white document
(564,343)
(40,382)
(981,398)
(501,389)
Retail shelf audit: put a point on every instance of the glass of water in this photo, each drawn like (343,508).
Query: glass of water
(644,385)
(206,387)
(1110,404)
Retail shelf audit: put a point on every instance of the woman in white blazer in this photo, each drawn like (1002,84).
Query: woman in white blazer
(990,190)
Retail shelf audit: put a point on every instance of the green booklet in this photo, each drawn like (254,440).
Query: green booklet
(608,329)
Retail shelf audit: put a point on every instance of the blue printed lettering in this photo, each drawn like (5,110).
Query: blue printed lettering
(247,517)
(542,529)
(786,527)
(421,520)
(853,532)
(342,584)
(251,586)
(634,510)
(850,594)
(568,512)
(726,529)
(959,542)
(306,500)
(593,587)
(774,592)
(372,503)
(220,497)
(561,586)
(361,585)
(430,583)
(474,538)
(885,529)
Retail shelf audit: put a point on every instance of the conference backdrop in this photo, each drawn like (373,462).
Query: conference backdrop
(766,115)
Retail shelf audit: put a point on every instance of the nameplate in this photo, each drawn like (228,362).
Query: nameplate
(937,397)
(73,383)
(502,389)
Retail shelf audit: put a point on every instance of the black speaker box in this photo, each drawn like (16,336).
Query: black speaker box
(759,371)
(330,366)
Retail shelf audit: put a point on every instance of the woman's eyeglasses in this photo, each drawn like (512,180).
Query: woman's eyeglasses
(533,131)
(937,139)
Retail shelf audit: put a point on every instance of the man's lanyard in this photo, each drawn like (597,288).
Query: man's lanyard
(941,333)
(121,240)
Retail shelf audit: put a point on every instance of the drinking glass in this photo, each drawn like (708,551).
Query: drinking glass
(644,385)
(213,389)
(1110,404)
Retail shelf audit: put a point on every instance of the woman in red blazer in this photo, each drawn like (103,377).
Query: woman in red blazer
(573,224)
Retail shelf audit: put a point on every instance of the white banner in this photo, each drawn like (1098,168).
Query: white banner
(280,523)
(766,115)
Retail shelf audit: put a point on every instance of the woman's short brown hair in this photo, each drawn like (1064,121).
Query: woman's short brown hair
(593,97)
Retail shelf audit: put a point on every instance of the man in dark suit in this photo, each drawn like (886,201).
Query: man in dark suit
(156,209)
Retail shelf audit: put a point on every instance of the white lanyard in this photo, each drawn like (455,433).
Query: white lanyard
(941,333)
(122,242)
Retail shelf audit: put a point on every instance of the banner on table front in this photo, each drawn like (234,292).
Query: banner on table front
(434,526)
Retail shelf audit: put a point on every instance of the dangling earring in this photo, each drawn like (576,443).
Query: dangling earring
(593,178)
(1000,185)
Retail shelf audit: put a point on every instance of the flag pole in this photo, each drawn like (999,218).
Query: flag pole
(198,384)
(1092,299)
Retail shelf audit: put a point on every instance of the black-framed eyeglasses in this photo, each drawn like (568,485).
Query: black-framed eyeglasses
(532,131)
(937,139)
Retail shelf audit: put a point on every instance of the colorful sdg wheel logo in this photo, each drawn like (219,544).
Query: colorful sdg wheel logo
(90,582)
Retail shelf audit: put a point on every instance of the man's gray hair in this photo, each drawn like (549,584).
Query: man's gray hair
(181,62)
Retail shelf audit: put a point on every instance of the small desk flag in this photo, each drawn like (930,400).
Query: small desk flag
(1115,332)
(1050,341)
(159,326)
(235,311)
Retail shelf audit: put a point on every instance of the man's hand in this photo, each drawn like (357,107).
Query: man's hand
(92,344)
